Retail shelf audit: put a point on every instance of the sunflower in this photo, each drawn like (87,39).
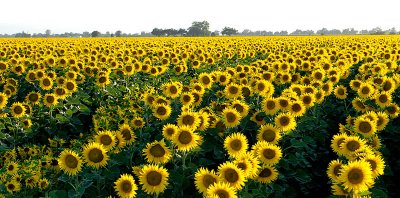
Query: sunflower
(233,91)
(95,155)
(333,171)
(46,83)
(284,103)
(229,173)
(264,88)
(241,107)
(204,179)
(70,86)
(285,121)
(267,153)
(365,127)
(43,183)
(154,179)
(185,139)
(31,181)
(70,162)
(221,189)
(269,133)
(169,130)
(236,144)
(359,105)
(13,186)
(105,138)
(162,111)
(297,108)
(190,119)
(127,133)
(138,122)
(60,92)
(18,110)
(224,78)
(377,164)
(270,106)
(308,99)
(267,174)
(157,152)
(12,168)
(383,99)
(50,100)
(231,117)
(173,90)
(3,100)
(198,87)
(187,99)
(33,98)
(205,80)
(340,92)
(102,81)
(204,121)
(258,118)
(366,90)
(356,176)
(351,145)
(339,190)
(125,186)
(393,110)
(383,120)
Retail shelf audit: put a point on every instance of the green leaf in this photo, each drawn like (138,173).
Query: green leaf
(58,194)
(62,118)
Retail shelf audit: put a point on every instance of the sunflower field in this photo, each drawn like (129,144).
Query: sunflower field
(211,117)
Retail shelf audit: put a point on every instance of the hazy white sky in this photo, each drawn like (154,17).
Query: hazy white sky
(131,16)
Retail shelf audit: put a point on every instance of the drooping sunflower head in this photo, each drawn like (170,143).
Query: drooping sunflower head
(3,100)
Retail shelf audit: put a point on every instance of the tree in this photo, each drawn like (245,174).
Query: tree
(118,33)
(48,33)
(229,31)
(157,32)
(199,28)
(95,33)
(182,32)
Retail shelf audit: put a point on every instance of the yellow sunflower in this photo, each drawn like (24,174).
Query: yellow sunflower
(46,83)
(95,155)
(377,164)
(231,117)
(204,121)
(221,189)
(383,120)
(189,119)
(285,121)
(351,145)
(340,92)
(229,173)
(366,90)
(267,174)
(169,130)
(205,80)
(157,152)
(138,122)
(236,144)
(13,186)
(185,139)
(356,176)
(18,110)
(241,107)
(297,108)
(187,99)
(267,153)
(43,183)
(204,179)
(127,133)
(3,100)
(333,171)
(70,162)
(33,98)
(337,140)
(233,90)
(106,138)
(154,179)
(270,106)
(162,111)
(365,127)
(383,99)
(12,168)
(125,186)
(50,100)
(269,133)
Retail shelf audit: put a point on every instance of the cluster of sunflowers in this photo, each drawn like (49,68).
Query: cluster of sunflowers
(119,114)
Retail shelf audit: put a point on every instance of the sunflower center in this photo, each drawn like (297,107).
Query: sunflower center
(284,121)
(126,186)
(336,170)
(102,79)
(11,187)
(161,111)
(71,161)
(233,90)
(353,145)
(231,117)
(236,145)
(206,80)
(46,82)
(246,91)
(221,193)
(70,86)
(208,180)
(383,98)
(128,68)
(355,176)
(96,155)
(242,166)
(231,175)
(105,140)
(365,127)
(126,134)
(307,100)
(173,90)
(154,178)
(268,135)
(157,150)
(296,107)
(270,105)
(137,123)
(222,79)
(33,97)
(269,153)
(266,172)
(238,108)
(340,92)
(365,90)
(50,99)
(10,167)
(283,103)
(188,120)
(185,137)
(186,98)
(18,110)
(170,131)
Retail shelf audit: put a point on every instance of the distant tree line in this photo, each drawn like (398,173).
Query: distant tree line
(201,28)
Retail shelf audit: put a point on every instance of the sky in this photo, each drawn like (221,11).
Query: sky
(132,16)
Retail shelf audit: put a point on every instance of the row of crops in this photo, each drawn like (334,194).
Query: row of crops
(199,117)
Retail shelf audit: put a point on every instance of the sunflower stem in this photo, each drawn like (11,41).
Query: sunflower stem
(184,155)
